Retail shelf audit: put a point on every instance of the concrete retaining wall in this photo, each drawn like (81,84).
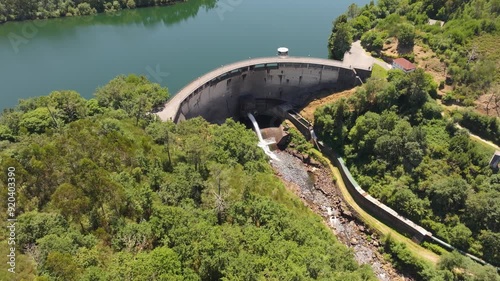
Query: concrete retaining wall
(375,207)
(386,214)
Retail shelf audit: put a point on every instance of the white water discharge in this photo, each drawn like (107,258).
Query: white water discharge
(264,144)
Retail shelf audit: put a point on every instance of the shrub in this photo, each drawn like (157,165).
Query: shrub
(481,125)
(448,98)
(406,35)
(131,4)
(85,9)
(372,41)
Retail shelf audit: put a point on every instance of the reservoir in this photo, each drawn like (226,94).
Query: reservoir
(170,45)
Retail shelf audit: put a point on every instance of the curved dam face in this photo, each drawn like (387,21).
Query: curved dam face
(259,86)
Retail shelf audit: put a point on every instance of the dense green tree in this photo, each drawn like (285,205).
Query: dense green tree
(62,266)
(233,143)
(372,41)
(134,237)
(484,126)
(85,9)
(387,6)
(6,133)
(35,225)
(163,133)
(340,41)
(330,121)
(449,194)
(38,120)
(406,36)
(360,25)
(71,201)
(460,236)
(134,94)
(69,104)
(160,264)
(353,10)
(491,246)
(194,142)
(404,200)
(483,210)
(11,10)
(463,268)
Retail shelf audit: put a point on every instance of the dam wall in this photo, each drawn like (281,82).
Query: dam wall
(269,82)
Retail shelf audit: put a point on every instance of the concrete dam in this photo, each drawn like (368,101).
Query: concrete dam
(259,86)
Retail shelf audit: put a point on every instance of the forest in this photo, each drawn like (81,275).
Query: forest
(108,192)
(15,10)
(403,152)
(466,44)
(105,191)
(393,136)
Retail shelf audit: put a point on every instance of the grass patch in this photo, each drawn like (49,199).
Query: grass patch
(379,72)
(487,148)
(435,248)
(487,45)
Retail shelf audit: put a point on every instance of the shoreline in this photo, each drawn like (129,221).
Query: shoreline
(174,2)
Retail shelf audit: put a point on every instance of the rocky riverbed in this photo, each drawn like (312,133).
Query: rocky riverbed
(313,183)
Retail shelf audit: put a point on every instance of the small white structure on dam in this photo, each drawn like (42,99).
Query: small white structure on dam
(282,51)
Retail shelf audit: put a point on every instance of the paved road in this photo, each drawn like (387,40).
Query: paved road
(475,136)
(479,138)
(359,57)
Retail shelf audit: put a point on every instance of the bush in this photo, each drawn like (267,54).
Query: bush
(360,24)
(131,4)
(435,248)
(372,41)
(6,133)
(85,9)
(406,35)
(431,110)
(481,125)
(405,261)
(448,98)
(409,56)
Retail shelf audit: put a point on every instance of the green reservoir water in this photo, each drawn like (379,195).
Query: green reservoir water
(171,45)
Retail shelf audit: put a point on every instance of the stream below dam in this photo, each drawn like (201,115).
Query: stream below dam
(313,183)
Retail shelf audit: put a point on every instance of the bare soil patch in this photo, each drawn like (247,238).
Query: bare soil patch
(424,58)
(329,97)
(489,104)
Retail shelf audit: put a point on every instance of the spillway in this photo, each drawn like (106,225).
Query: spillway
(264,144)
